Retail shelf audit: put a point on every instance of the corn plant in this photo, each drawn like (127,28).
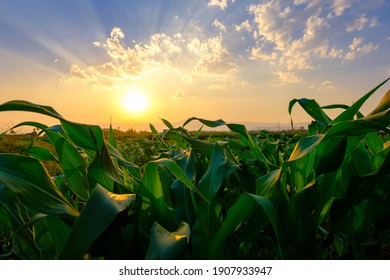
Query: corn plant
(175,196)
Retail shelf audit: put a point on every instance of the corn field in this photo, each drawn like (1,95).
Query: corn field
(175,196)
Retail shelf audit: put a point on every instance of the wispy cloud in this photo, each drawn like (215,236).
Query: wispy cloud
(179,95)
(356,47)
(361,22)
(339,6)
(327,86)
(287,77)
(219,25)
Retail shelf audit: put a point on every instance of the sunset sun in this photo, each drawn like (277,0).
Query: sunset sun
(135,102)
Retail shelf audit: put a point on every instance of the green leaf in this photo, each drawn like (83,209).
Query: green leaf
(167,123)
(48,242)
(29,180)
(238,128)
(111,137)
(133,169)
(98,213)
(11,218)
(383,105)
(268,185)
(330,155)
(208,214)
(181,194)
(359,127)
(205,147)
(85,136)
(165,245)
(34,124)
(41,153)
(25,106)
(155,196)
(305,146)
(236,216)
(72,164)
(179,174)
(212,180)
(103,171)
(354,109)
(312,108)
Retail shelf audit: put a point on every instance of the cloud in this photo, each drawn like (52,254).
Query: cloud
(222,4)
(179,95)
(186,58)
(211,57)
(287,77)
(259,54)
(276,29)
(299,35)
(243,26)
(339,6)
(219,25)
(361,22)
(356,47)
(326,86)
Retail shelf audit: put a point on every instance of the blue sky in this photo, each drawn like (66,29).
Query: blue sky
(236,60)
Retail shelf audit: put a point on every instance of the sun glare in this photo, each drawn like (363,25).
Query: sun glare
(135,102)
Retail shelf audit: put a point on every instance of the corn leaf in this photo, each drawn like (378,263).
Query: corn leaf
(72,164)
(25,106)
(85,136)
(103,171)
(99,211)
(305,146)
(383,105)
(11,218)
(312,108)
(34,124)
(29,180)
(236,216)
(354,109)
(165,245)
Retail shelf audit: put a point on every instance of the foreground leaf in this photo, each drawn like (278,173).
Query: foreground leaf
(165,245)
(29,180)
(99,211)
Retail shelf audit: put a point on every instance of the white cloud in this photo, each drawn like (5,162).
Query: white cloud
(243,26)
(258,54)
(219,25)
(356,47)
(339,6)
(185,57)
(211,57)
(297,36)
(222,4)
(277,28)
(287,77)
(327,86)
(336,53)
(362,22)
(300,2)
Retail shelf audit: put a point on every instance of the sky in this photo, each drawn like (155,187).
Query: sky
(133,62)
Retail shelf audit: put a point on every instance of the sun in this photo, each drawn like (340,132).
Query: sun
(135,102)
